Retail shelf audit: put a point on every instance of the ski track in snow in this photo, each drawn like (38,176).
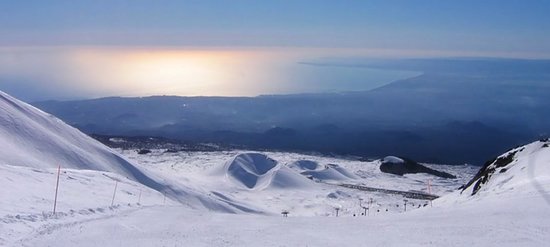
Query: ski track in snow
(71,221)
(35,225)
(176,226)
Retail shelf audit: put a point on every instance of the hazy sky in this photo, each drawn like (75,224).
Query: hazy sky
(464,25)
(94,48)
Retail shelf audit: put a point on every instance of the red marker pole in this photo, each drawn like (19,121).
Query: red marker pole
(56,188)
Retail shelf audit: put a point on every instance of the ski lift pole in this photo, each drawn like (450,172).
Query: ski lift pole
(370,204)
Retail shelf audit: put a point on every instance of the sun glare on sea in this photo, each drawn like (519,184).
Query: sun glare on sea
(187,72)
(89,72)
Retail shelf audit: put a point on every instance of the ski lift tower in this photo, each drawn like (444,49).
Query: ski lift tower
(285,213)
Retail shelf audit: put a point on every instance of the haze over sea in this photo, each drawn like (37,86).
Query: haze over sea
(44,73)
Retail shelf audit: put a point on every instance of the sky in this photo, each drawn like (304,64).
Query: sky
(95,48)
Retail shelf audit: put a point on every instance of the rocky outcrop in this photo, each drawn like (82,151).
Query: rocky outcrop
(401,166)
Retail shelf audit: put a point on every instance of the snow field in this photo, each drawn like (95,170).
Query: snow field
(236,198)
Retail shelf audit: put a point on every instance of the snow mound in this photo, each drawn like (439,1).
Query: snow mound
(525,169)
(257,172)
(315,171)
(287,178)
(303,165)
(342,171)
(251,170)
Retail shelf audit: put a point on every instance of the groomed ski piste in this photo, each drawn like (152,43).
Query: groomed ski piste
(120,198)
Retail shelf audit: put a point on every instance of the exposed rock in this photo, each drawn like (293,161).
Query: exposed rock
(144,151)
(488,169)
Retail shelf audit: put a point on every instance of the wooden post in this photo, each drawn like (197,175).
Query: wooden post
(56,188)
(114,194)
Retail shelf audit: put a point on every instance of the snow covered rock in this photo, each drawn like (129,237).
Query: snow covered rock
(393,160)
(402,166)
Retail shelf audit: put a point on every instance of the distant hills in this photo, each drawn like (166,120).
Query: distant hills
(458,111)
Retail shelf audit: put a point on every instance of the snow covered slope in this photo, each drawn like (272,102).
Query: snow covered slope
(491,217)
(486,223)
(30,192)
(518,182)
(32,138)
